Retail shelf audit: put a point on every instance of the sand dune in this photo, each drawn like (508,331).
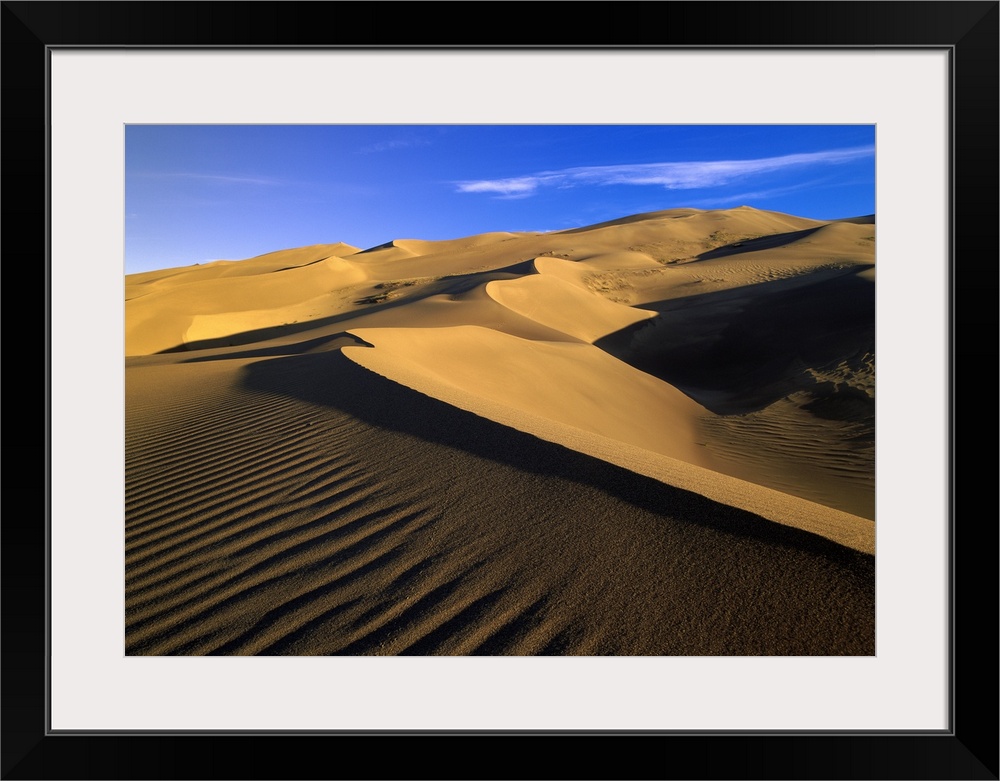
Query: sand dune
(480,369)
(559,305)
(650,436)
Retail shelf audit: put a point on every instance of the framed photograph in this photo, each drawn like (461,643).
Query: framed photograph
(111,668)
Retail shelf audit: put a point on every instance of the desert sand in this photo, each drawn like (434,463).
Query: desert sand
(651,436)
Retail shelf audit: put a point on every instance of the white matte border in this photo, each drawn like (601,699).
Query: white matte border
(96,92)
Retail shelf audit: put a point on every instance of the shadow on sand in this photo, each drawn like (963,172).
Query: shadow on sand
(330,379)
(735,352)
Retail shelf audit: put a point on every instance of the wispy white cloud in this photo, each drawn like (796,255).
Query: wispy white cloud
(670,175)
(516,187)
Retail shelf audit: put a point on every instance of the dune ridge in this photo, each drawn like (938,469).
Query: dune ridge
(336,450)
(688,472)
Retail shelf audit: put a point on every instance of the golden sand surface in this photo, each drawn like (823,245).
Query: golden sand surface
(652,436)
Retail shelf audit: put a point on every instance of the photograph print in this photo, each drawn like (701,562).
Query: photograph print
(502,390)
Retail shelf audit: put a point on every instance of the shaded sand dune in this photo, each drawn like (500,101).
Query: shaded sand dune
(653,436)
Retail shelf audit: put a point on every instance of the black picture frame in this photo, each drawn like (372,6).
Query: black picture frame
(968,750)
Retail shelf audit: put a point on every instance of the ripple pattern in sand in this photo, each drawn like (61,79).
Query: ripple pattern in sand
(785,447)
(305,506)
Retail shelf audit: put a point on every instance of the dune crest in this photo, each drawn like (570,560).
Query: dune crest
(475,366)
(599,408)
(560,305)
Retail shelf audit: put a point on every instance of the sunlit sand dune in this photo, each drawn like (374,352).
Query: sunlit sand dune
(470,365)
(651,436)
(557,304)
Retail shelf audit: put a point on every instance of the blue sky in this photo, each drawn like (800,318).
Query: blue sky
(196,193)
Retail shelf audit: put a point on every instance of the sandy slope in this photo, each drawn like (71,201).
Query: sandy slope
(651,436)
